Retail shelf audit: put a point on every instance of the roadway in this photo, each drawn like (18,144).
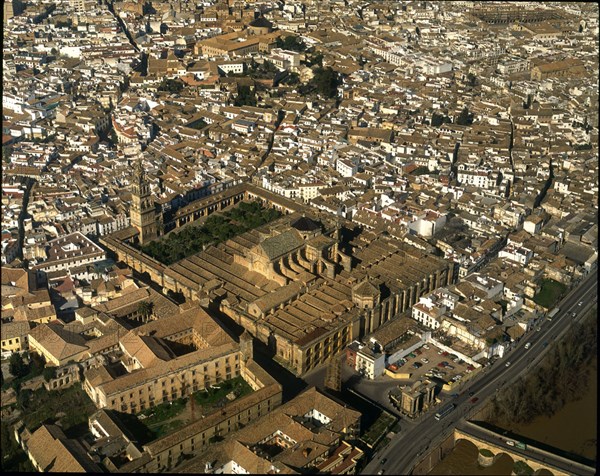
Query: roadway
(407,446)
(531,452)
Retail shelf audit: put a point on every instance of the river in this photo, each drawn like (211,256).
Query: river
(574,429)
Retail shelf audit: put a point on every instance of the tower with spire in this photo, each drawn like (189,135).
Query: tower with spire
(142,212)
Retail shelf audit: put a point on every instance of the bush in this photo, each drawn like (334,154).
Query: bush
(555,382)
(326,81)
(216,229)
(245,97)
(49,373)
(17,365)
(171,85)
(465,118)
(292,43)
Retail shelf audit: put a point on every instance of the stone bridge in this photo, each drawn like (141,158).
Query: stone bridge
(534,457)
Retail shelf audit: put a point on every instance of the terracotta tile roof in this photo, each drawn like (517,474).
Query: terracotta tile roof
(54,452)
(56,341)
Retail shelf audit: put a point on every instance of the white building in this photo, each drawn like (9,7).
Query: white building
(346,167)
(428,223)
(369,363)
(518,254)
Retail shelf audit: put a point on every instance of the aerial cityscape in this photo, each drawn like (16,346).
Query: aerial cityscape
(299,237)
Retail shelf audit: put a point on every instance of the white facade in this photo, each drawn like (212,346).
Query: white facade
(428,224)
(516,253)
(477,179)
(368,364)
(346,167)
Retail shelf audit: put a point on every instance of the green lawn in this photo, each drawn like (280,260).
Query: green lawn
(165,418)
(166,428)
(550,293)
(41,406)
(212,396)
(164,411)
(378,429)
(217,228)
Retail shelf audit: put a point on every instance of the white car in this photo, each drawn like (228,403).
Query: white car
(507,364)
(528,345)
(424,360)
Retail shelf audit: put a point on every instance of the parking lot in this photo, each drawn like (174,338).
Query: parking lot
(430,362)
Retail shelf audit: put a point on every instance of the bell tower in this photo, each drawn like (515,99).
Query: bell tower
(142,212)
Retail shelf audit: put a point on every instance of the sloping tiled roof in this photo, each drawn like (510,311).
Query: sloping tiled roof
(54,452)
(58,342)
(281,244)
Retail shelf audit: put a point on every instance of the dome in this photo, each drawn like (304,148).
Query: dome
(261,22)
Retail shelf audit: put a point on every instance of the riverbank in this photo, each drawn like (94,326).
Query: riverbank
(574,428)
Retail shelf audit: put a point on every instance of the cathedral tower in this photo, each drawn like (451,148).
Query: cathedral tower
(142,212)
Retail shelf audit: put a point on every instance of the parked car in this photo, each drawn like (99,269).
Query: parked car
(426,347)
(424,360)
(474,399)
(441,365)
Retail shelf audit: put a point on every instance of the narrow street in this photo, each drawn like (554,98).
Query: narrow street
(29,183)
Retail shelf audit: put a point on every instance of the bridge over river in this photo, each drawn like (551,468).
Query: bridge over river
(496,443)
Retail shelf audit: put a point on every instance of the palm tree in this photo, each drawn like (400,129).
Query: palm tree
(145,309)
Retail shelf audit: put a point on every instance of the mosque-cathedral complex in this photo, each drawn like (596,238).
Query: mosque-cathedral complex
(305,285)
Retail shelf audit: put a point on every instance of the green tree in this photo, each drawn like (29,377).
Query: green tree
(6,153)
(315,59)
(326,81)
(292,43)
(245,96)
(438,119)
(171,85)
(17,365)
(465,118)
(49,373)
(145,309)
(472,79)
